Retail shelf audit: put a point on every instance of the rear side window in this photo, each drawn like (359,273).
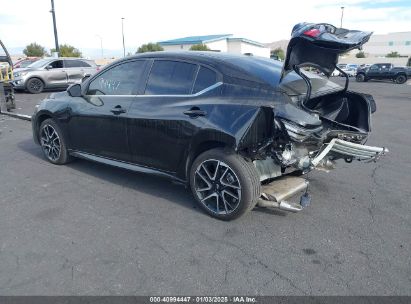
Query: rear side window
(76,64)
(123,79)
(171,78)
(205,78)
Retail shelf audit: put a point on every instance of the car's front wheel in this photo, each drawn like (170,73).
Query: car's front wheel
(35,85)
(53,142)
(225,185)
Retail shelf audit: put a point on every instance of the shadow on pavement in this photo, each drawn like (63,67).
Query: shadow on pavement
(148,184)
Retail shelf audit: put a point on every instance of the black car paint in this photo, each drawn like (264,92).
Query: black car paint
(322,48)
(154,134)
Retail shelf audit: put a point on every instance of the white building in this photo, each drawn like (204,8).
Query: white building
(380,45)
(218,43)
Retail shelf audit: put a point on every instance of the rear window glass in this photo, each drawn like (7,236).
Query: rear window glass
(170,78)
(205,78)
(76,64)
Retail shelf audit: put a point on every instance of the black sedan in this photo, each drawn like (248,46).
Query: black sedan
(231,127)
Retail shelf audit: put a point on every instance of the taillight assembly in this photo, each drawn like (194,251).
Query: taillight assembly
(313,33)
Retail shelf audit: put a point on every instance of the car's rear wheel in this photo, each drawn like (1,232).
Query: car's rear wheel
(360,77)
(225,185)
(400,79)
(35,85)
(53,142)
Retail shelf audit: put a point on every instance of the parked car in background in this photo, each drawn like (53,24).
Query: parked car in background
(350,69)
(50,73)
(229,126)
(24,63)
(336,72)
(384,71)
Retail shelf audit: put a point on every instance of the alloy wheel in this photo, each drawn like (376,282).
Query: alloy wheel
(50,142)
(217,186)
(35,85)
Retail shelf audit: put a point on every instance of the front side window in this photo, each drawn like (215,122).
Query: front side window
(58,64)
(374,67)
(123,79)
(205,79)
(171,78)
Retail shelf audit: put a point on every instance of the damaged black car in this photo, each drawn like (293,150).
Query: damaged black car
(230,127)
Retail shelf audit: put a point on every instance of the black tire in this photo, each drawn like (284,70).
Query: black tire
(400,79)
(35,85)
(233,177)
(360,78)
(53,143)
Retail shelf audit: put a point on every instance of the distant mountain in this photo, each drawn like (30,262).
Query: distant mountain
(276,44)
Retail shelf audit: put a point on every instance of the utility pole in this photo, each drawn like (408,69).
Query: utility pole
(101,45)
(122,32)
(56,40)
(342,15)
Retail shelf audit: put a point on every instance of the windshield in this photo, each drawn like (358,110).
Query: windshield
(25,64)
(39,63)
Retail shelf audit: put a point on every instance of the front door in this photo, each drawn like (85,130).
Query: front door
(55,74)
(98,124)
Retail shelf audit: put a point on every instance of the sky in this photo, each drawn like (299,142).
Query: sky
(86,23)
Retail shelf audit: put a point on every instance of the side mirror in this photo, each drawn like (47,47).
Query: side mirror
(49,67)
(74,90)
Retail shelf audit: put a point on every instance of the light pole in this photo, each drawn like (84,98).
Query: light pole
(342,15)
(122,32)
(101,45)
(56,40)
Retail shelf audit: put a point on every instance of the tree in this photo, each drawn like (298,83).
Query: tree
(393,55)
(150,47)
(360,54)
(199,47)
(67,50)
(34,50)
(277,53)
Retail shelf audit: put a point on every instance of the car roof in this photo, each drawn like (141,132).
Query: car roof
(233,67)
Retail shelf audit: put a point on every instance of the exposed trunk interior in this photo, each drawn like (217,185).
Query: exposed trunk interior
(343,109)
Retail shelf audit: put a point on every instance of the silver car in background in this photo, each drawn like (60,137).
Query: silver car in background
(51,73)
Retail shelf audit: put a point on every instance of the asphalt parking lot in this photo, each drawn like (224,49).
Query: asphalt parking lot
(90,229)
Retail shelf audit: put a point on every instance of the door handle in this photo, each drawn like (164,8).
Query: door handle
(195,112)
(118,110)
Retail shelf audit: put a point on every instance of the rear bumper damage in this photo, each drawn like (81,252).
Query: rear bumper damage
(349,151)
(276,193)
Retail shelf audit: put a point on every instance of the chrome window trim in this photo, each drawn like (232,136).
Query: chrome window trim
(212,87)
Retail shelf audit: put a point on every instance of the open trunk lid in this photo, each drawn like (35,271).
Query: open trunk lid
(319,45)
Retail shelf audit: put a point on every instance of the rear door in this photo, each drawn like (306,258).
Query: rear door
(76,69)
(164,120)
(99,122)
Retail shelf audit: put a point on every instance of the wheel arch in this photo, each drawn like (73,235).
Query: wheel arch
(198,149)
(37,121)
(32,77)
